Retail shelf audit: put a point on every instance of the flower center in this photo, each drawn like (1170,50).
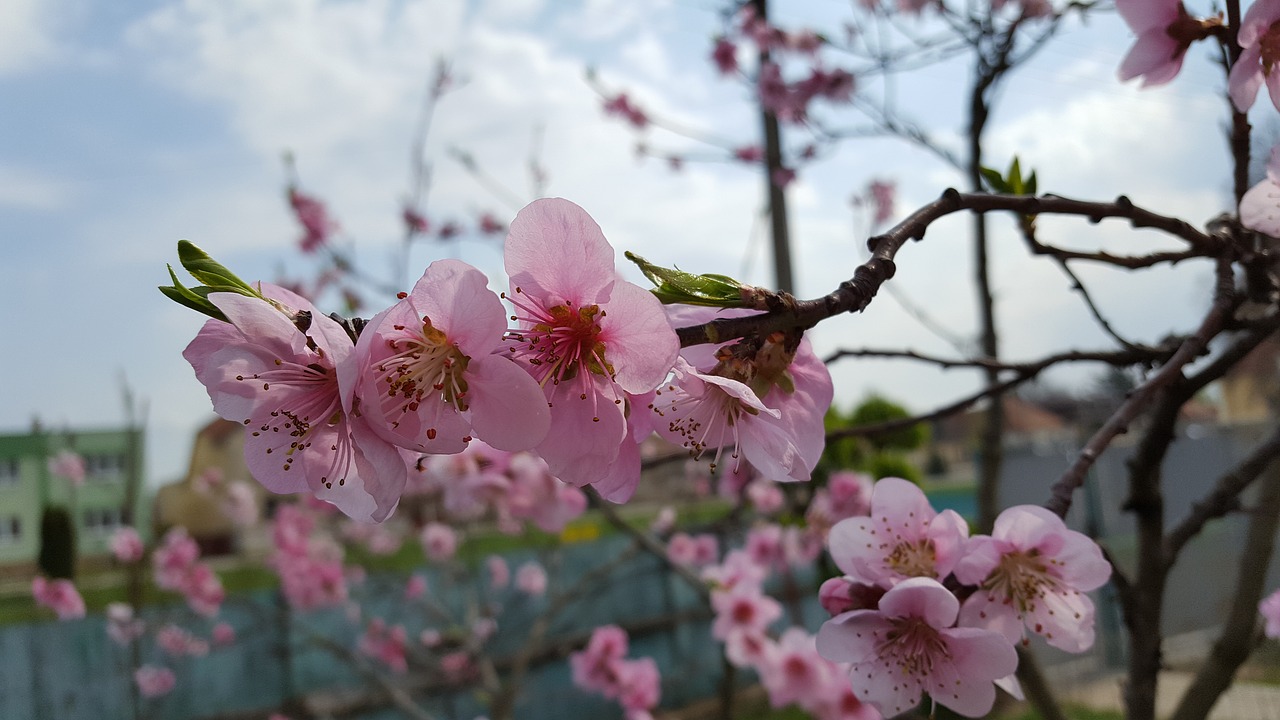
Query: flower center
(562,343)
(424,365)
(911,647)
(1023,578)
(1269,44)
(913,559)
(308,401)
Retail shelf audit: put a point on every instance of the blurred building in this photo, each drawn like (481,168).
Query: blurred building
(112,494)
(199,500)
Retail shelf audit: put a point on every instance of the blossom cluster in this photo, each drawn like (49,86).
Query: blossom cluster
(602,667)
(789,666)
(176,567)
(580,369)
(903,630)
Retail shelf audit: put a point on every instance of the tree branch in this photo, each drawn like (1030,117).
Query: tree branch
(854,294)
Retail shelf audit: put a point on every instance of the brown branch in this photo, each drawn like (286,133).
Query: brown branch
(1135,355)
(854,294)
(648,543)
(1118,423)
(1240,633)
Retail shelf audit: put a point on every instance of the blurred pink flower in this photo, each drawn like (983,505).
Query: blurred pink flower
(69,465)
(439,541)
(499,572)
(126,545)
(621,106)
(312,214)
(1260,206)
(1164,31)
(531,579)
(122,627)
(59,596)
(154,681)
(1270,610)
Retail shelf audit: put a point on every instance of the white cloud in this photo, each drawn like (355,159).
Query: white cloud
(26,33)
(30,190)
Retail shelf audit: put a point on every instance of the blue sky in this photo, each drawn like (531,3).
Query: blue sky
(127,126)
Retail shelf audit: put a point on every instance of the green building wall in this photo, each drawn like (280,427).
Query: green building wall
(97,506)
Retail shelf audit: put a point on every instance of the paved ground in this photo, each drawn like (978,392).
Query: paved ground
(1244,701)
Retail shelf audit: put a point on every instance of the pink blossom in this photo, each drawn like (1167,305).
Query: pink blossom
(639,684)
(621,106)
(534,494)
(1270,610)
(1033,571)
(749,153)
(531,579)
(1260,206)
(416,587)
(154,681)
(847,494)
(908,646)
(386,645)
(415,223)
(1260,37)
(240,504)
(174,557)
(207,480)
(588,338)
(782,177)
(710,412)
(203,590)
(439,541)
(766,497)
(490,225)
(449,230)
(310,568)
(742,609)
(430,637)
(69,465)
(904,537)
(725,56)
(126,545)
(882,194)
(430,377)
(739,569)
(178,642)
(59,596)
(122,627)
(794,672)
(696,551)
(222,634)
(483,629)
(456,666)
(275,368)
(840,595)
(663,521)
(1164,31)
(499,572)
(312,214)
(595,666)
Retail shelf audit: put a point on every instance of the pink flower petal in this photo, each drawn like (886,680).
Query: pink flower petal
(639,340)
(508,409)
(556,251)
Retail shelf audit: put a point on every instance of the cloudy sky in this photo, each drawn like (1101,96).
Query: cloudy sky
(127,126)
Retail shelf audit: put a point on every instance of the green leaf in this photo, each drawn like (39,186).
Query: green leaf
(211,272)
(1031,183)
(678,286)
(994,180)
(196,299)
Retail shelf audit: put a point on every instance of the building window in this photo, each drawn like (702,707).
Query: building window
(101,520)
(9,471)
(104,467)
(10,530)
